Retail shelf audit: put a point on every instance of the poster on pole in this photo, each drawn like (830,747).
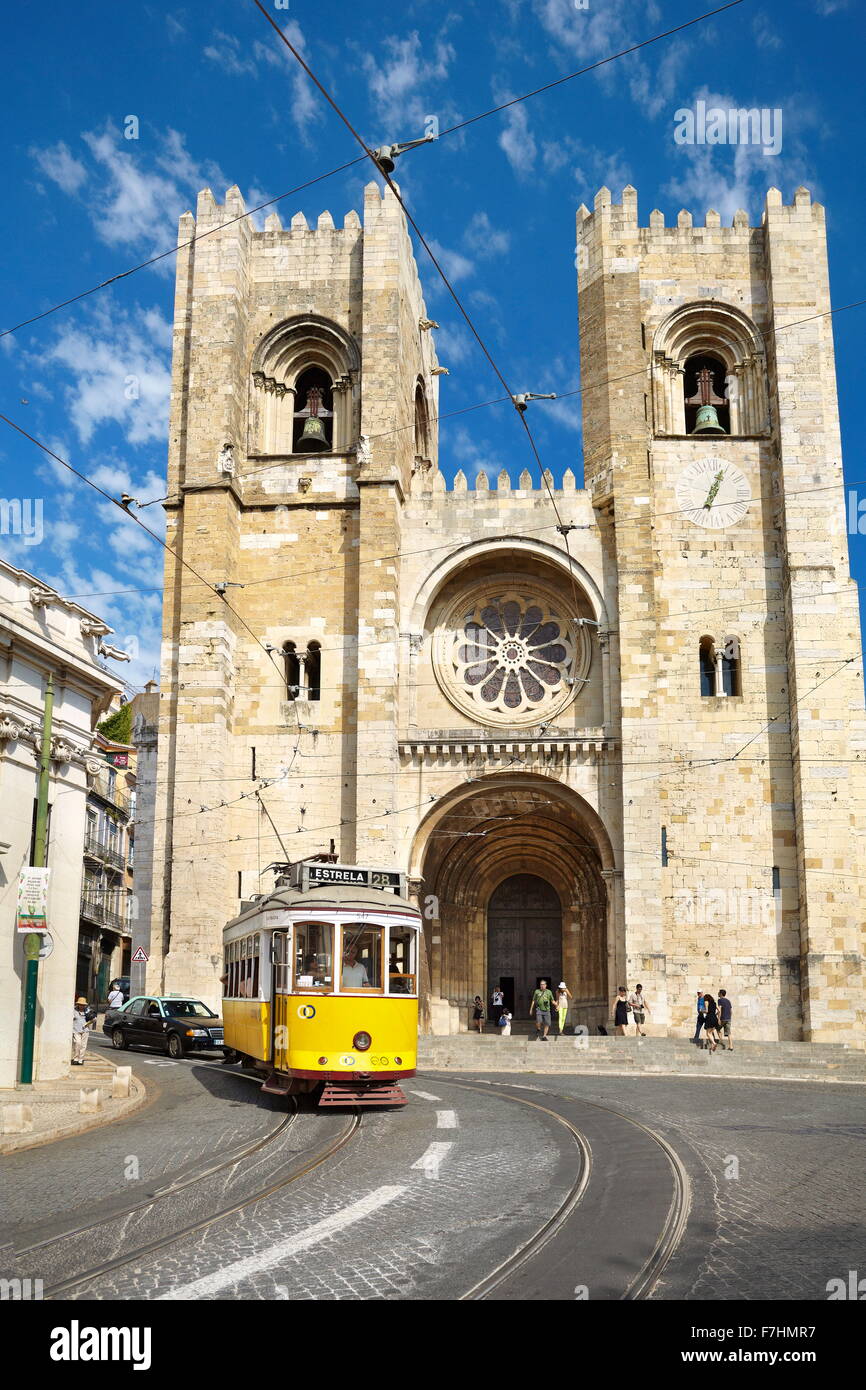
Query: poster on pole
(33,900)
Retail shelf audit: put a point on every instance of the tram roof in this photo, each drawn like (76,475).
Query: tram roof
(334,896)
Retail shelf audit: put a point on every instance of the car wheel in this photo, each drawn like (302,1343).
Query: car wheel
(175,1046)
(118,1038)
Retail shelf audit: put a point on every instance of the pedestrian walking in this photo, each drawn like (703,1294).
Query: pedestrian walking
(621,1009)
(505,1024)
(725,1011)
(81,1023)
(563,994)
(478,1014)
(115,996)
(711,1022)
(542,1003)
(639,1009)
(497,1001)
(700,1019)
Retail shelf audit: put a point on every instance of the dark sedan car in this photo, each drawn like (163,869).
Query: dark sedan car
(176,1026)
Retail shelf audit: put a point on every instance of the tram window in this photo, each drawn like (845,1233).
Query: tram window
(362,957)
(314,955)
(282,980)
(401,960)
(242,968)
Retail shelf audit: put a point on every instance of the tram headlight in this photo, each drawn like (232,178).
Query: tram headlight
(361,1042)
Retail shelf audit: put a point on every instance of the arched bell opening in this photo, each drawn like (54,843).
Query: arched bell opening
(510,829)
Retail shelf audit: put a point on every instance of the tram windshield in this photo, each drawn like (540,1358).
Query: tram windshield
(362,957)
(314,955)
(401,960)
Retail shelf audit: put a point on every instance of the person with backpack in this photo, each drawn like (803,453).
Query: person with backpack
(505,1023)
(725,1011)
(542,1003)
(700,1020)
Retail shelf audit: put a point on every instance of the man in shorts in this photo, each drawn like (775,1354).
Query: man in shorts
(725,1011)
(542,1003)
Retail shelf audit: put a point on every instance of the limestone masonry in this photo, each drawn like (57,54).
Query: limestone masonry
(630,752)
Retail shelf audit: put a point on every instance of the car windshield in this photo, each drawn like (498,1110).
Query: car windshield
(187,1008)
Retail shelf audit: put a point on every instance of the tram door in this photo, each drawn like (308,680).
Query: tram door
(282,978)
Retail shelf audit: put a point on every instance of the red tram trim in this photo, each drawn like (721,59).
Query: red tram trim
(348,1075)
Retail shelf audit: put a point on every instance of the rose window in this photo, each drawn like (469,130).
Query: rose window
(510,656)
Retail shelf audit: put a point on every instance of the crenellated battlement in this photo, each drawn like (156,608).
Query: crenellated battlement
(233,212)
(611,221)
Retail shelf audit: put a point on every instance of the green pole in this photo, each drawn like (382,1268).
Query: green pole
(33,941)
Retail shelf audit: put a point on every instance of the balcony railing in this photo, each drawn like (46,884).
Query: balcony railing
(105,850)
(103,911)
(116,794)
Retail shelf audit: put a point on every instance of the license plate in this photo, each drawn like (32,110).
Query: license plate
(217,1037)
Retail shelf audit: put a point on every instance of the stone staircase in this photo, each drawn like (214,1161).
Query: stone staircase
(593,1056)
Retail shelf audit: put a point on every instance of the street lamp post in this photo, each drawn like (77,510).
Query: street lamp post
(33,941)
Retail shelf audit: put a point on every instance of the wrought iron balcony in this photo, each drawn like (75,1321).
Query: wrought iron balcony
(106,851)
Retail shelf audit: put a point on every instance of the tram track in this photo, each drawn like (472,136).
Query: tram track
(64,1287)
(645,1279)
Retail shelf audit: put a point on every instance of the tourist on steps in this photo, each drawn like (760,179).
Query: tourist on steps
(542,1003)
(621,1008)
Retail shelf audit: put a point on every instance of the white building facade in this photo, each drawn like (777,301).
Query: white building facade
(43,634)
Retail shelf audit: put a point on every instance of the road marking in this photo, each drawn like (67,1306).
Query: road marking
(425,1095)
(431,1160)
(153,1062)
(446,1119)
(292,1245)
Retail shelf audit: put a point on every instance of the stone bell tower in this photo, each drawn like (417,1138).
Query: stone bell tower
(294,661)
(740,690)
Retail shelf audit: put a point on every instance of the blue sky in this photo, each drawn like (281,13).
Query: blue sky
(219,101)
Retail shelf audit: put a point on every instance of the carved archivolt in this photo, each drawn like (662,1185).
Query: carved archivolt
(708,328)
(508,652)
(281,358)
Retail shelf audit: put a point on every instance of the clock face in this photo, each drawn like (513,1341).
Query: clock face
(713,493)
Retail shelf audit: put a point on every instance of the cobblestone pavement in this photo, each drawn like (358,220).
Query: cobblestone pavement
(197,1110)
(462,1180)
(779,1199)
(423,1202)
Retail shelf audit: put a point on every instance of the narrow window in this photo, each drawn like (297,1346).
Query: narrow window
(731,671)
(777,880)
(293,671)
(664,846)
(708,666)
(313,670)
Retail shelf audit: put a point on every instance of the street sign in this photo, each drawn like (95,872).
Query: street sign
(32,900)
(140,956)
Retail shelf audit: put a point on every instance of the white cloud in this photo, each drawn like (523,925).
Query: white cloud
(397,81)
(120,365)
(58,164)
(308,105)
(226,52)
(484,239)
(455,265)
(517,140)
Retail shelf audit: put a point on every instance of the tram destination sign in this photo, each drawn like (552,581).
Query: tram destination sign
(312,875)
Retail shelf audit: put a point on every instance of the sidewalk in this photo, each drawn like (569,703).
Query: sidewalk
(55,1103)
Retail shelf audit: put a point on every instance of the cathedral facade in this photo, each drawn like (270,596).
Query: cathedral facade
(610,734)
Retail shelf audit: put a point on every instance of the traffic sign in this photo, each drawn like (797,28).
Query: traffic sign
(140,956)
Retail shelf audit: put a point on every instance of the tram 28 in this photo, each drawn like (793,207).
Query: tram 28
(321,987)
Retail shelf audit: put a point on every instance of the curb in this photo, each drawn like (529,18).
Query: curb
(18,1143)
(701,1074)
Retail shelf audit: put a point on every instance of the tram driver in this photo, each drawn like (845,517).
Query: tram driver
(354,971)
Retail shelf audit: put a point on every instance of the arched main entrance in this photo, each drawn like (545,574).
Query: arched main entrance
(515,850)
(524,939)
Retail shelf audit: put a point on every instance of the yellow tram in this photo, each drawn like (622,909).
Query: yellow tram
(321,986)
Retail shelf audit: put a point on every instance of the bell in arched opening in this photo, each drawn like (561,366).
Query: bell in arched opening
(314,421)
(707,406)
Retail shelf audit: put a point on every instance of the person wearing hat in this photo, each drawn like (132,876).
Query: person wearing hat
(563,994)
(81,1026)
